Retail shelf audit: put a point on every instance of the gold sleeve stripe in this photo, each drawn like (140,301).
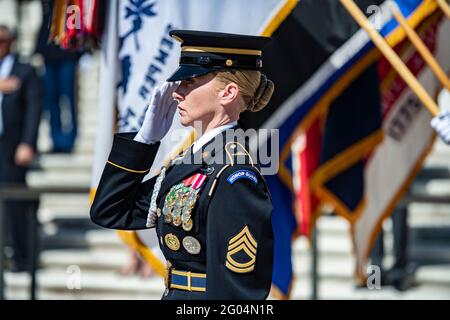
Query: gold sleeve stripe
(126,169)
(233,268)
(238,265)
(250,254)
(243,232)
(222,50)
(240,242)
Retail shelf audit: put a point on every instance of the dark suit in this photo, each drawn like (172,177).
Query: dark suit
(21,112)
(229,241)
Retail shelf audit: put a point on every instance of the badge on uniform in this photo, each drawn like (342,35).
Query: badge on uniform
(191,245)
(241,252)
(242,174)
(180,201)
(172,242)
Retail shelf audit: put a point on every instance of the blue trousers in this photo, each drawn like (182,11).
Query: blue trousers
(59,95)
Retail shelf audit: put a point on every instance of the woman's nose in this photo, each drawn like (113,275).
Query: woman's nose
(178,96)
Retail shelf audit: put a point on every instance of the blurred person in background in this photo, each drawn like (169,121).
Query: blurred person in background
(59,86)
(401,273)
(137,265)
(20,110)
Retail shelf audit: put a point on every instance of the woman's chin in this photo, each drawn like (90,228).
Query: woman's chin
(185,122)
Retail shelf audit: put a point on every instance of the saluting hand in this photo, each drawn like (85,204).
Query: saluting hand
(159,114)
(441,124)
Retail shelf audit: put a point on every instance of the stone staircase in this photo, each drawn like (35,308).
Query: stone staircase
(82,261)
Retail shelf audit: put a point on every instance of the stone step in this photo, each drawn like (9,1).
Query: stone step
(93,259)
(439,187)
(92,284)
(84,147)
(22,293)
(60,177)
(51,162)
(334,245)
(428,214)
(57,201)
(62,217)
(333,225)
(346,290)
(100,239)
(431,253)
(87,132)
(431,282)
(88,119)
(438,275)
(87,96)
(437,159)
(329,268)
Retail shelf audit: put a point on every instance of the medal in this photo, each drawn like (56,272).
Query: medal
(177,207)
(187,226)
(167,212)
(191,245)
(181,200)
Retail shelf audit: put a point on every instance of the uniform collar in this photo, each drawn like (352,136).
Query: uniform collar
(208,136)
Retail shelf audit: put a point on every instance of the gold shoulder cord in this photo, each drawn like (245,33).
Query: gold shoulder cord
(246,153)
(215,180)
(211,191)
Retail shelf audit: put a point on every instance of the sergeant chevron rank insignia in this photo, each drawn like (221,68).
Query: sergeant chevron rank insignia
(241,253)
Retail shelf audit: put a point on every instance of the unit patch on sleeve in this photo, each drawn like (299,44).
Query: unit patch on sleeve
(242,174)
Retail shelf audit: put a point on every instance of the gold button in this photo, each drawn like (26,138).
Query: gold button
(229,62)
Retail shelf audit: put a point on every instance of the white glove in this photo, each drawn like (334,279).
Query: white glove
(159,114)
(441,123)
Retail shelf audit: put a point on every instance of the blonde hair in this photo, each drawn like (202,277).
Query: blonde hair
(255,89)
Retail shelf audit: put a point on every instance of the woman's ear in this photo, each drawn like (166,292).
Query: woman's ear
(229,94)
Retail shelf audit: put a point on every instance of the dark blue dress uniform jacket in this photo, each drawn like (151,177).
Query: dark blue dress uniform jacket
(231,218)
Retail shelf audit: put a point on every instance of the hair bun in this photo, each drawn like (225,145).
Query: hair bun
(262,94)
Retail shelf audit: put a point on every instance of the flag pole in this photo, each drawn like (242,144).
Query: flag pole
(391,56)
(444,7)
(314,264)
(420,46)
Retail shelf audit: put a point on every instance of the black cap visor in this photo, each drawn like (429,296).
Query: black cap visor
(189,71)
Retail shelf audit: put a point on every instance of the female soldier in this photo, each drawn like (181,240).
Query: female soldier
(210,206)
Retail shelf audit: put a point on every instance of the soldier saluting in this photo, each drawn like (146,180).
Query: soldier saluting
(212,216)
